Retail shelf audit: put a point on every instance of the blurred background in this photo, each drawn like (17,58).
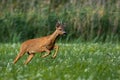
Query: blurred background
(86,20)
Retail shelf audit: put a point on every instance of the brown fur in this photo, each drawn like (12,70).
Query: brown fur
(43,44)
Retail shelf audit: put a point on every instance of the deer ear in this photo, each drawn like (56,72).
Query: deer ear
(57,24)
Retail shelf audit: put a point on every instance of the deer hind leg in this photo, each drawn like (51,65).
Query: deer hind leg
(19,56)
(29,58)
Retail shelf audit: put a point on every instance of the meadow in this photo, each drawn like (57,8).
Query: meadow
(90,50)
(75,61)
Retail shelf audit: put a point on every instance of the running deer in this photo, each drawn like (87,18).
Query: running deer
(43,44)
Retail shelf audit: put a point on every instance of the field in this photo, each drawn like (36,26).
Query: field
(92,25)
(83,61)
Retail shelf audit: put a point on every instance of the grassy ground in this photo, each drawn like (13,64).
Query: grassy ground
(84,61)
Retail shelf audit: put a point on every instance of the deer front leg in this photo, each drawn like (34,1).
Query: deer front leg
(46,50)
(56,47)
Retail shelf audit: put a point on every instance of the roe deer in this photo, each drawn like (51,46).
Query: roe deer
(43,44)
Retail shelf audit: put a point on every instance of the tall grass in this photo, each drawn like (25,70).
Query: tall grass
(88,20)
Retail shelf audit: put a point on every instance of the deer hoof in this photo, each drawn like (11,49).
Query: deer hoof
(53,57)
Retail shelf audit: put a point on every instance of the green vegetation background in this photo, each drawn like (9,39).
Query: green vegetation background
(86,20)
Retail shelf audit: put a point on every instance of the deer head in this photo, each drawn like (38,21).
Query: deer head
(60,28)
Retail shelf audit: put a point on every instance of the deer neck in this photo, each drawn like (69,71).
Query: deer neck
(54,36)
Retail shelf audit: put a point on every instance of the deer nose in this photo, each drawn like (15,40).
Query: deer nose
(65,33)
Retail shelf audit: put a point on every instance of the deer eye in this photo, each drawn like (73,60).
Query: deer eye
(60,29)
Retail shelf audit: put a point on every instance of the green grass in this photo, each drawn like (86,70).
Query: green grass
(84,61)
